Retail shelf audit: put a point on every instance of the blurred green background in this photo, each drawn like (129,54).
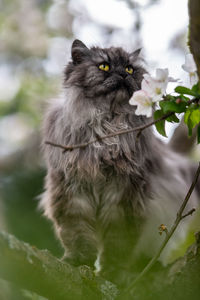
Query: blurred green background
(35,40)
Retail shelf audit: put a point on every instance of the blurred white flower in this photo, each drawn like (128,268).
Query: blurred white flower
(57,55)
(9,84)
(14,131)
(143,102)
(59,18)
(162,75)
(190,67)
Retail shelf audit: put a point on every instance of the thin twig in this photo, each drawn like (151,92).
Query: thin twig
(188,213)
(83,145)
(120,132)
(179,217)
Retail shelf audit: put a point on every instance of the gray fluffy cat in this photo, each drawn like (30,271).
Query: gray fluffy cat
(108,199)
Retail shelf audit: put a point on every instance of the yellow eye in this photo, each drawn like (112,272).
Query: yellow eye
(129,70)
(104,67)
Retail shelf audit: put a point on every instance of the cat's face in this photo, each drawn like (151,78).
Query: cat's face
(104,73)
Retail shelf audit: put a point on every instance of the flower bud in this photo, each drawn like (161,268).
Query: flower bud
(178,100)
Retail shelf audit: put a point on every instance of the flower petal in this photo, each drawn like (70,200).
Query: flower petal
(193,78)
(162,74)
(143,102)
(189,65)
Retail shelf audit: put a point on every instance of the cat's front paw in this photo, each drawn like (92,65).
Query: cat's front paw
(79,260)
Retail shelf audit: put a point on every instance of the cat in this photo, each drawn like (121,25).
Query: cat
(108,199)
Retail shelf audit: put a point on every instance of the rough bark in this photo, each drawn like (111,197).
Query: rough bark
(40,272)
(180,141)
(194,31)
(44,274)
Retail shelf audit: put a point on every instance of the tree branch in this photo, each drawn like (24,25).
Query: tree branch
(40,272)
(190,212)
(117,133)
(194,31)
(100,138)
(44,274)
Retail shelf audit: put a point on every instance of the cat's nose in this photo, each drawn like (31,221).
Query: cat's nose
(122,73)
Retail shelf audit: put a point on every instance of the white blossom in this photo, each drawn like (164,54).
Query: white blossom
(153,88)
(190,67)
(162,75)
(156,86)
(143,102)
(9,84)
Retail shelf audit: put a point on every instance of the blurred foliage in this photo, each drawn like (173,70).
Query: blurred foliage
(33,92)
(35,38)
(26,52)
(21,194)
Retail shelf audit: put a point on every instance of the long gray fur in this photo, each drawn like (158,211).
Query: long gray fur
(108,199)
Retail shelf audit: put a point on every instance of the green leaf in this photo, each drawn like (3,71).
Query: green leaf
(173,119)
(195,117)
(198,134)
(160,126)
(168,106)
(183,98)
(170,97)
(184,90)
(189,131)
(186,116)
(196,88)
(187,120)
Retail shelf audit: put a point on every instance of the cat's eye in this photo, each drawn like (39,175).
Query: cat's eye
(104,67)
(129,70)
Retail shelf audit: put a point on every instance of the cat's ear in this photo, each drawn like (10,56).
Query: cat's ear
(79,51)
(136,53)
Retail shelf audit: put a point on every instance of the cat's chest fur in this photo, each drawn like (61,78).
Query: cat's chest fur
(113,170)
(79,122)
